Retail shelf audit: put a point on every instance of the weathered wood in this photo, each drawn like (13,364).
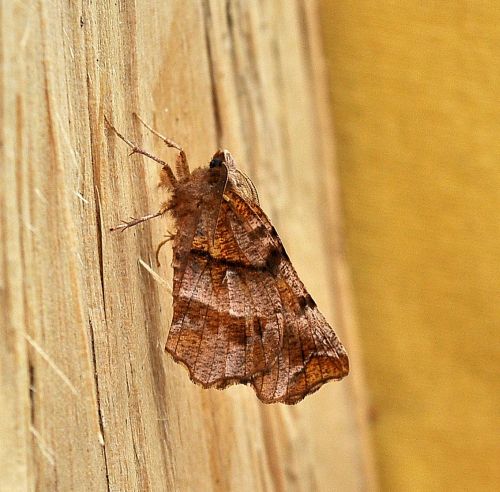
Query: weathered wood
(89,399)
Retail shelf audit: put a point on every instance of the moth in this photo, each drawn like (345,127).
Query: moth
(240,312)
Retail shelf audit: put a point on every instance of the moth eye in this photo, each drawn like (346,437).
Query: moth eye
(215,163)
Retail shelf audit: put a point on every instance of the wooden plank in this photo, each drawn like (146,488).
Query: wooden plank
(89,399)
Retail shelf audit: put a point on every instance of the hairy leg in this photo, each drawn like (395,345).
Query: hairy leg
(167,239)
(169,180)
(134,221)
(181,163)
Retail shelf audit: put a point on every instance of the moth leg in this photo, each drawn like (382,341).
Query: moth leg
(181,163)
(169,180)
(134,221)
(165,181)
(168,237)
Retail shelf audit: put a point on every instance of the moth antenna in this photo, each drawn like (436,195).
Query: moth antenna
(138,150)
(181,163)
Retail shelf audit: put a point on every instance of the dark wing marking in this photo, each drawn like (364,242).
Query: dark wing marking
(310,356)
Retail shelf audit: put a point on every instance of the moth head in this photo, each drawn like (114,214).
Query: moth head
(238,178)
(222,158)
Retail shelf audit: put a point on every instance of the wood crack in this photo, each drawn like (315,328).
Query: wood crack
(99,242)
(98,399)
(208,24)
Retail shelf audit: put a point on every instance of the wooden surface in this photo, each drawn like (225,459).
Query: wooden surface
(89,400)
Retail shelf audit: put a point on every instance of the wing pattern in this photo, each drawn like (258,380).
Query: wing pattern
(241,313)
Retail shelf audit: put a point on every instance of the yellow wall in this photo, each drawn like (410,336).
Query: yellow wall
(416,102)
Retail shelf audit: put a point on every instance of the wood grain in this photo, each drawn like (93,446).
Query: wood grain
(89,399)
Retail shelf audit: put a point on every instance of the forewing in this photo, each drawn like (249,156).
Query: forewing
(310,353)
(221,329)
(227,324)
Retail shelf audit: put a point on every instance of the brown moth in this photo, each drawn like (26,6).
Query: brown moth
(241,313)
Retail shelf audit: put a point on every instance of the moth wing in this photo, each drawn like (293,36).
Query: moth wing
(220,330)
(310,354)
(241,314)
(227,325)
